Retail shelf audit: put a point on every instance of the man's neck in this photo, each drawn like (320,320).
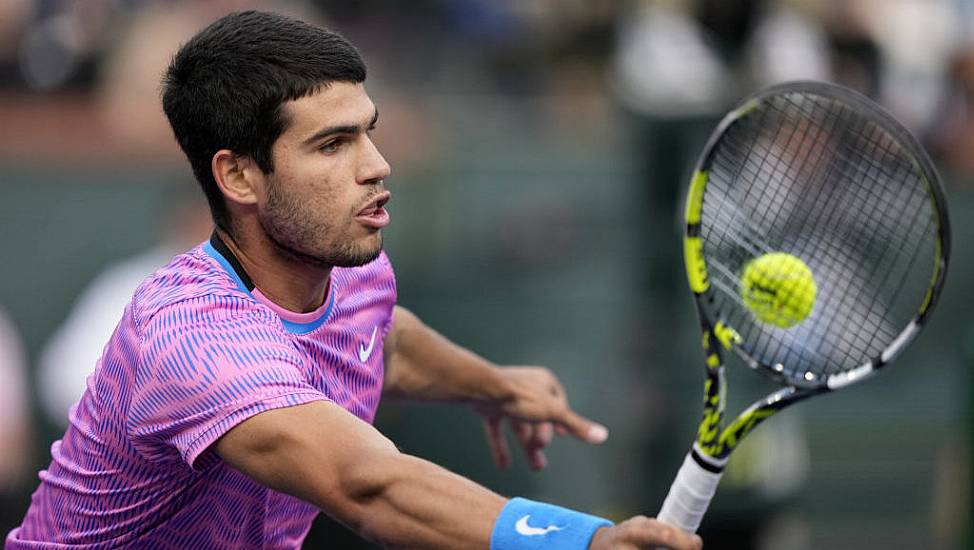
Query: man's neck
(289,283)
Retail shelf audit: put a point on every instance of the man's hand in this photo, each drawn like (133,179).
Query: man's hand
(422,364)
(536,407)
(643,533)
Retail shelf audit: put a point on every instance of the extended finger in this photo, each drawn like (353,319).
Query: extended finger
(580,427)
(534,435)
(530,442)
(540,439)
(496,442)
(543,433)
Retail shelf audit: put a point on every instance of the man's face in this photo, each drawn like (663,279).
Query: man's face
(324,201)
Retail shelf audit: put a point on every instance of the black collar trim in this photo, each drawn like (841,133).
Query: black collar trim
(217,243)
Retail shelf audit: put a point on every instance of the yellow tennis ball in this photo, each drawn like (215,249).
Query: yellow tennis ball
(779,289)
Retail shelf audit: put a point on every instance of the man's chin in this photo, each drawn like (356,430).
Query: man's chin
(357,260)
(352,255)
(356,255)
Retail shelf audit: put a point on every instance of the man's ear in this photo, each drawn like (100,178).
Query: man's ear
(237,176)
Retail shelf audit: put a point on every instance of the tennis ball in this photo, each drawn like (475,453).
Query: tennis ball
(779,289)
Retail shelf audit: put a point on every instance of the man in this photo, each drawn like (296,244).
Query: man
(234,400)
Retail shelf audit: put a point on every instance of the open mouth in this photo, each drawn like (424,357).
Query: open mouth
(374,214)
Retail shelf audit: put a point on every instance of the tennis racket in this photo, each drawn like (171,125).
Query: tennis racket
(822,174)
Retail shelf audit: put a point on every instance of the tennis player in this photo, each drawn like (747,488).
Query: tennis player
(235,399)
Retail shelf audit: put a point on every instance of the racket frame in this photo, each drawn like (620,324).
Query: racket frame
(714,440)
(698,477)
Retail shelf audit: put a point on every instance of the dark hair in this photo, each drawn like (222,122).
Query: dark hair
(225,87)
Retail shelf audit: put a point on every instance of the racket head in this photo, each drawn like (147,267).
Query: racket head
(822,173)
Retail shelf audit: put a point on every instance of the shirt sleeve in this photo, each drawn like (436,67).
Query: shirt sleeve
(205,366)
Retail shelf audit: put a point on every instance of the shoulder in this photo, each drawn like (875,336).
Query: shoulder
(191,288)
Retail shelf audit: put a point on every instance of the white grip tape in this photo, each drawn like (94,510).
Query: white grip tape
(689,496)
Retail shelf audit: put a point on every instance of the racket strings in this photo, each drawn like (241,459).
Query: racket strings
(842,216)
(739,217)
(766,167)
(882,164)
(791,350)
(805,350)
(867,238)
(796,352)
(770,162)
(810,176)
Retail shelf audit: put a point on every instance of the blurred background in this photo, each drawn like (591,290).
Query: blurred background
(540,150)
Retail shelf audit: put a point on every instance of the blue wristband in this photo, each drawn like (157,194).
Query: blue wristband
(525,524)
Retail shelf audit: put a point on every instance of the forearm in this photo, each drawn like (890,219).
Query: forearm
(322,454)
(423,364)
(325,456)
(421,505)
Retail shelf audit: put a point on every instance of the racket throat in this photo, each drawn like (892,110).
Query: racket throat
(712,422)
(709,463)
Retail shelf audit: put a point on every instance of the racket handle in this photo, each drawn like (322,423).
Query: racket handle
(690,494)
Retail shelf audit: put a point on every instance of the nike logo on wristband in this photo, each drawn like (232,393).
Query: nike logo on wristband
(523,528)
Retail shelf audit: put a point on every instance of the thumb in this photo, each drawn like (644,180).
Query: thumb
(583,428)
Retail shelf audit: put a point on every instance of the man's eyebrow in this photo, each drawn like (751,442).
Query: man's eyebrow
(341,129)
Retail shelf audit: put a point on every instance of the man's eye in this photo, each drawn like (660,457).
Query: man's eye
(333,145)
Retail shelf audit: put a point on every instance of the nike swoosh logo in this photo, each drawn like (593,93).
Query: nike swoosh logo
(365,352)
(523,528)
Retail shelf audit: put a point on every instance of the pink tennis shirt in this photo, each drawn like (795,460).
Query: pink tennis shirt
(199,350)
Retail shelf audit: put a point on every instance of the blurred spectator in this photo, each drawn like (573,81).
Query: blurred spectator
(70,355)
(145,39)
(61,40)
(690,58)
(14,416)
(664,65)
(106,54)
(952,132)
(49,46)
(15,426)
(14,21)
(915,39)
(788,43)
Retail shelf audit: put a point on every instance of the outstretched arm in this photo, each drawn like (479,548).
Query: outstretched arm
(422,364)
(326,456)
